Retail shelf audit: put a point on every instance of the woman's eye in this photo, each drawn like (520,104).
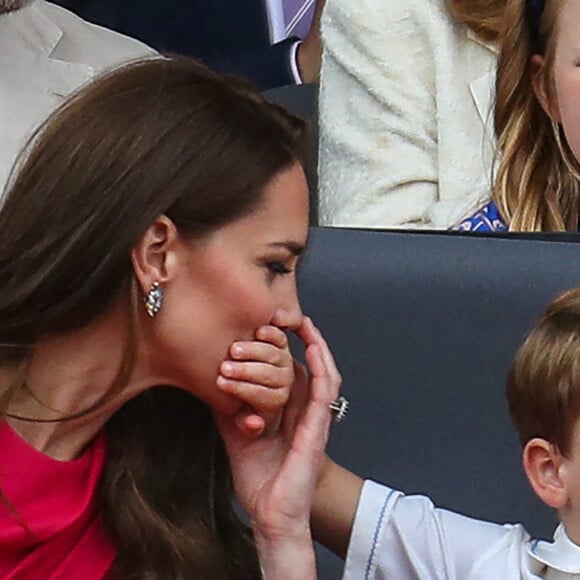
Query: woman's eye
(278,268)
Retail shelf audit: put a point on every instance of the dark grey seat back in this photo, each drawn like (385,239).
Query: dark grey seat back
(424,327)
(302,100)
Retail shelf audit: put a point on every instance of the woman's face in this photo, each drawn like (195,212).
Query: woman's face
(239,278)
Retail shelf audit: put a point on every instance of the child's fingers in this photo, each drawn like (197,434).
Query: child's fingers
(250,424)
(261,398)
(261,352)
(244,422)
(273,335)
(258,373)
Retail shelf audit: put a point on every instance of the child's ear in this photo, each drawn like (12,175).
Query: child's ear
(544,466)
(540,85)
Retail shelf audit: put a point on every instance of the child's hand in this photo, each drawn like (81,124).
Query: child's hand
(275,476)
(260,373)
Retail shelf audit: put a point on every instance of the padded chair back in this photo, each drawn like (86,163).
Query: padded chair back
(302,100)
(424,327)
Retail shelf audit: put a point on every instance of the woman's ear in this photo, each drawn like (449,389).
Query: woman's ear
(153,256)
(544,465)
(540,86)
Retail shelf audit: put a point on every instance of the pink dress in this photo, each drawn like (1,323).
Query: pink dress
(51,530)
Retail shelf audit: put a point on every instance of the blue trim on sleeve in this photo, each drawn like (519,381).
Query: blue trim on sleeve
(376,534)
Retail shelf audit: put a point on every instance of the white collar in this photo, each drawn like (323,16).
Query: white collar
(28,40)
(31,25)
(492,46)
(562,554)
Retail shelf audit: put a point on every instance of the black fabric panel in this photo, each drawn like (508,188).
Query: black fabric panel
(227,35)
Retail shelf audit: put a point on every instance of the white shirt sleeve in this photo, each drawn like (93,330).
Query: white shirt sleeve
(402,537)
(294,62)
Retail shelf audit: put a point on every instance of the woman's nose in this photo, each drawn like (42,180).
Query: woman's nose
(289,316)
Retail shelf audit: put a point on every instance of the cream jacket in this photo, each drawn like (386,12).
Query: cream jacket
(46,52)
(405,115)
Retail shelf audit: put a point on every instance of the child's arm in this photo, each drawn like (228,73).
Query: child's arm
(280,472)
(335,502)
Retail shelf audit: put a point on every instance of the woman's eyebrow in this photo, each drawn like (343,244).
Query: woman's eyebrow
(294,247)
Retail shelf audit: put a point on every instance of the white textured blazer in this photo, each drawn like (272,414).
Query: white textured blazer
(46,52)
(406,127)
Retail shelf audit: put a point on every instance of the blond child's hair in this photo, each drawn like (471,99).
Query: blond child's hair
(543,388)
(536,184)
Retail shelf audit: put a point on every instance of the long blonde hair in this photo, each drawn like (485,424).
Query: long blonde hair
(536,185)
(484,17)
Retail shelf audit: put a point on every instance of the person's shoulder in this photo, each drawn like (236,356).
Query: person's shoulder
(373,13)
(89,43)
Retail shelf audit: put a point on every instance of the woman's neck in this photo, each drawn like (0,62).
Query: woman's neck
(68,374)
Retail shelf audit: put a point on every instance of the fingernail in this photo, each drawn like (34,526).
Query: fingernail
(227,368)
(261,330)
(221,381)
(237,349)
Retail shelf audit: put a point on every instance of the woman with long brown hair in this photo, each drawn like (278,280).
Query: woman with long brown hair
(148,244)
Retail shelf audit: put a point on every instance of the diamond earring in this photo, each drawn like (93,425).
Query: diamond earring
(154,299)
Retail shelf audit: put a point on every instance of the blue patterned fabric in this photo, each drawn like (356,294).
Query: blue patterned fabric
(486,219)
